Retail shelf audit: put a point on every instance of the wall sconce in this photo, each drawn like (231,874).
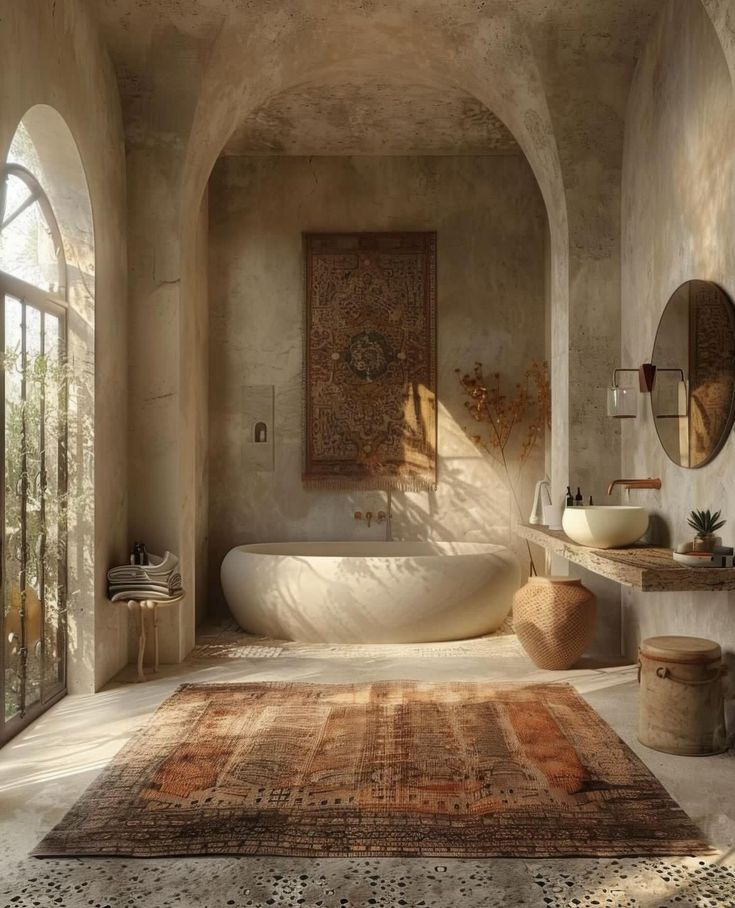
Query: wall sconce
(622,403)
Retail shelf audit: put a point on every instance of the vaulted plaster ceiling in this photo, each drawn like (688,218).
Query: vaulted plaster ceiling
(163,49)
(373,116)
(376,117)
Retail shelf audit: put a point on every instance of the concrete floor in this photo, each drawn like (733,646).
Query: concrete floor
(45,769)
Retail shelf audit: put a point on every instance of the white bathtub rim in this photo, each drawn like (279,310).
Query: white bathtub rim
(361,550)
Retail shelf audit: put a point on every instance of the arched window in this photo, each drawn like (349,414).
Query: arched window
(33,292)
(31,248)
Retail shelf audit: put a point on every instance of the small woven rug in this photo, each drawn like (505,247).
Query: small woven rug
(390,768)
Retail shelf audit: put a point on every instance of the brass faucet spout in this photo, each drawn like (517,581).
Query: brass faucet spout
(634,484)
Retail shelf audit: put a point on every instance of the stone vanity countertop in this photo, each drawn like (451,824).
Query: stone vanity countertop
(644,567)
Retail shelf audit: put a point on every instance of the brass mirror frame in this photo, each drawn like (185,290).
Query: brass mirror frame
(730,420)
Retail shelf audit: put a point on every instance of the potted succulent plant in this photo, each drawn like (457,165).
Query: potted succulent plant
(705,524)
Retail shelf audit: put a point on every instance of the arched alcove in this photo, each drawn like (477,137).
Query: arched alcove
(48,305)
(486,54)
(400,153)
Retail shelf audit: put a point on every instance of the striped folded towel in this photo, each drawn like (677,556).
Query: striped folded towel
(157,569)
(158,581)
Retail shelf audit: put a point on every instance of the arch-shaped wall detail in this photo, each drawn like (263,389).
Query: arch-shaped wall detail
(491,60)
(482,72)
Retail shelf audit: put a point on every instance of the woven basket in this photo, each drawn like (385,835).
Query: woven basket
(554,618)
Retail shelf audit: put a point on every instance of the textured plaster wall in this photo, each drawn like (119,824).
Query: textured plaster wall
(201,407)
(491,226)
(52,55)
(167,337)
(678,223)
(586,54)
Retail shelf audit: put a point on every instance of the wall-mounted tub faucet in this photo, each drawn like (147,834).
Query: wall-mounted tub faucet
(367,517)
(385,517)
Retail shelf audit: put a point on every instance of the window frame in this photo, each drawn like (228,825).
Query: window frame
(54,302)
(37,194)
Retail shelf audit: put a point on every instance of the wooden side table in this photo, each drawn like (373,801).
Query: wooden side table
(141,607)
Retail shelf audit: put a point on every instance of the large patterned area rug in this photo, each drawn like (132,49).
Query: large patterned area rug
(388,768)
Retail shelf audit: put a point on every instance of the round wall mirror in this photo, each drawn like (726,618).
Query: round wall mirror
(693,397)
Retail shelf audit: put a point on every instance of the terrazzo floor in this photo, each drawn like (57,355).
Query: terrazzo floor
(45,769)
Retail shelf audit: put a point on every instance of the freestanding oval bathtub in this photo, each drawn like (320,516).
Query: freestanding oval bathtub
(382,592)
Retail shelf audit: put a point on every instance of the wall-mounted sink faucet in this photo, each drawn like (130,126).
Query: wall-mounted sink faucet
(634,484)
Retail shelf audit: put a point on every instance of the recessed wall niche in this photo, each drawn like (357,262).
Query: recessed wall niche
(258,413)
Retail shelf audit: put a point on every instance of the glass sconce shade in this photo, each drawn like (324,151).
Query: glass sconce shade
(622,403)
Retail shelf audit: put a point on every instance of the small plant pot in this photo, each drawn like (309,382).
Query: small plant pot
(706,543)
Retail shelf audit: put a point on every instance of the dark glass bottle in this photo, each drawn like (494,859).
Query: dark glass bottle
(578,500)
(570,499)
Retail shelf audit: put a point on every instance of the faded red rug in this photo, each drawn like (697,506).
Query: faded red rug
(383,769)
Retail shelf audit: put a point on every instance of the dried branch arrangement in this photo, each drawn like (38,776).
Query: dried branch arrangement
(508,426)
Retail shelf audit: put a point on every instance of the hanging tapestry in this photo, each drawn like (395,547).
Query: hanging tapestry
(370,361)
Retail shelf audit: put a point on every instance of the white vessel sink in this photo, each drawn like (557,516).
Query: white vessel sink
(605,526)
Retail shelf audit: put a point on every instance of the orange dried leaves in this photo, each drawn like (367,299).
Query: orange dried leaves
(528,408)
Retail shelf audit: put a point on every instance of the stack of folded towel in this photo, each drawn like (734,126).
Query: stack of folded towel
(158,580)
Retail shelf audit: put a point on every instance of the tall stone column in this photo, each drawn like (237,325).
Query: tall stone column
(155,360)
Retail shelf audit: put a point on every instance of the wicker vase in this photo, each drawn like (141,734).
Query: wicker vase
(554,618)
